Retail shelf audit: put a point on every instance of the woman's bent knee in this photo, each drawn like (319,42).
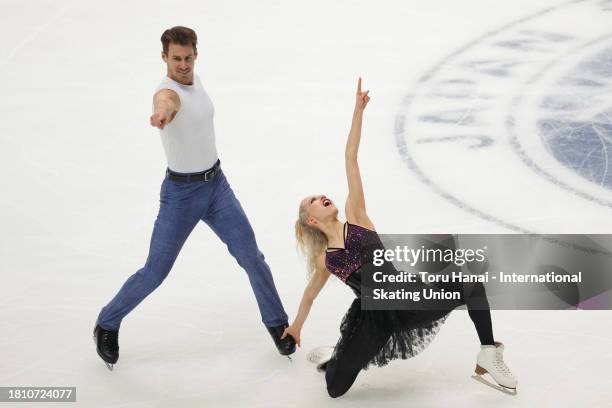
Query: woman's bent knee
(334,392)
(338,383)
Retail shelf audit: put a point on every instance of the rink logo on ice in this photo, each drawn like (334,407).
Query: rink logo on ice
(526,110)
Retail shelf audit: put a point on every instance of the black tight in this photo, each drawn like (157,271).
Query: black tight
(340,374)
(478,309)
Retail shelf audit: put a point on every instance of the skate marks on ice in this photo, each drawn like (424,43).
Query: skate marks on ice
(320,356)
(59,12)
(563,360)
(499,110)
(574,121)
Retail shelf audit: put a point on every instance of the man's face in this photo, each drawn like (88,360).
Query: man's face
(180,61)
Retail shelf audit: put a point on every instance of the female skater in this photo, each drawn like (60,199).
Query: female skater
(373,336)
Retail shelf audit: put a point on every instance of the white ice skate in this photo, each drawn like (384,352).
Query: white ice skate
(490,361)
(320,356)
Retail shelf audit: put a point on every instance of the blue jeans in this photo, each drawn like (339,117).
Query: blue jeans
(182,205)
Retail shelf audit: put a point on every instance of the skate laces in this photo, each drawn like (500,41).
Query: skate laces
(109,338)
(501,365)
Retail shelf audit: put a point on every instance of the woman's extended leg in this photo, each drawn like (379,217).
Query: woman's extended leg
(490,359)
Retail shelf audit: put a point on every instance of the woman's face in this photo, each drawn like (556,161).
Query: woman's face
(318,208)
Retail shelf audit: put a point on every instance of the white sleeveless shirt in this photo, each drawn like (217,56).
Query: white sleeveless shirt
(189,140)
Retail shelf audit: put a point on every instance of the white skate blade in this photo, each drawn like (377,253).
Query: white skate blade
(505,390)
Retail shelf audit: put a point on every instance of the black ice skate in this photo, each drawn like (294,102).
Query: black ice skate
(285,346)
(107,345)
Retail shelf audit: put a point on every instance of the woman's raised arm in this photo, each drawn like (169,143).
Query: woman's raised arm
(355,202)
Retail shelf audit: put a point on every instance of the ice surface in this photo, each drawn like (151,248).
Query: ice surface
(81,171)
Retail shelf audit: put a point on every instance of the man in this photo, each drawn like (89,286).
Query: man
(194,188)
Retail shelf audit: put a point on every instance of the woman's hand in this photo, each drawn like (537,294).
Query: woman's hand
(362,97)
(293,331)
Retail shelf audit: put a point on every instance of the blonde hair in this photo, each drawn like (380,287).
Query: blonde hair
(310,240)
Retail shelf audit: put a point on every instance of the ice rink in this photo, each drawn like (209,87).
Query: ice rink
(485,117)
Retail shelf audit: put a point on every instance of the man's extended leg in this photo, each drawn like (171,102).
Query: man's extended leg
(227,219)
(174,223)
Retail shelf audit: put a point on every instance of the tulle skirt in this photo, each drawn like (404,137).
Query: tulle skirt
(376,337)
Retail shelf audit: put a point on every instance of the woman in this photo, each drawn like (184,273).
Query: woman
(373,336)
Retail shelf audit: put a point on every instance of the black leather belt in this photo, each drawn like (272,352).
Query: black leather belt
(206,175)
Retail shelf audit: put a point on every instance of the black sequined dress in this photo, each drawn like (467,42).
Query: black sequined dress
(375,336)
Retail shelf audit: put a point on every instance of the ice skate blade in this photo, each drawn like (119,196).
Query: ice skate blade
(505,390)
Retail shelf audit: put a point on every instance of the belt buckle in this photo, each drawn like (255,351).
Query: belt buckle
(210,174)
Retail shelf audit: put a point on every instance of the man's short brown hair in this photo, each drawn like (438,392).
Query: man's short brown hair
(179,35)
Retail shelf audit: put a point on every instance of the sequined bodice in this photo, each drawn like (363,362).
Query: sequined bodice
(359,244)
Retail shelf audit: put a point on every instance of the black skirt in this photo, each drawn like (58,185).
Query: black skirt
(376,337)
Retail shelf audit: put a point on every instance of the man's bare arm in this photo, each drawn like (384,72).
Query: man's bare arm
(166,103)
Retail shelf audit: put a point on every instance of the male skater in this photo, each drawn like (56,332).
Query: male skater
(194,188)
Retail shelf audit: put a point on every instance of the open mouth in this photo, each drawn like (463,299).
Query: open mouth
(326,202)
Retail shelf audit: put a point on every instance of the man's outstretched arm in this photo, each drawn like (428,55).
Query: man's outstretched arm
(166,103)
